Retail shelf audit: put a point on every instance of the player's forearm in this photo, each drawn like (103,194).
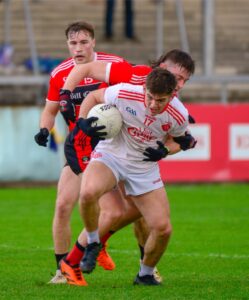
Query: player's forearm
(47,119)
(172,146)
(75,76)
(95,70)
(92,99)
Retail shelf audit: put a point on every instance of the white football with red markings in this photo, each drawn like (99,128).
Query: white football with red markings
(109,116)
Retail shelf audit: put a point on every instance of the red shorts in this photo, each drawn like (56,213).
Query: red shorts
(77,149)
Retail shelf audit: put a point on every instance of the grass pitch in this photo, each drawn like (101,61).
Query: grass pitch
(207,258)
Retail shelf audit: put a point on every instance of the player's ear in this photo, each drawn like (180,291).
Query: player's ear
(163,65)
(94,43)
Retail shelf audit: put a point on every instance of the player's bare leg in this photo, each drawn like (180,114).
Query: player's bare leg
(141,231)
(67,197)
(97,180)
(111,210)
(155,210)
(108,226)
(129,215)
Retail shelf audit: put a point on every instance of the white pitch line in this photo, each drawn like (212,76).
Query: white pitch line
(215,255)
(135,252)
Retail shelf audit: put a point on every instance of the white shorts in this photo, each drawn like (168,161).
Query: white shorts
(135,183)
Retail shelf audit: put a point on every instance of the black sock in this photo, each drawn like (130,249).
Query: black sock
(58,258)
(79,246)
(141,252)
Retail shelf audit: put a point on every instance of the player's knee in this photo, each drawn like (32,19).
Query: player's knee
(163,229)
(168,230)
(88,195)
(112,215)
(63,208)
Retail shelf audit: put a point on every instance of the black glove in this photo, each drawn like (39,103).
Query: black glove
(191,119)
(156,154)
(92,131)
(67,108)
(95,141)
(186,142)
(41,137)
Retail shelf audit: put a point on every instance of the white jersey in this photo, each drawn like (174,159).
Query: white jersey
(140,129)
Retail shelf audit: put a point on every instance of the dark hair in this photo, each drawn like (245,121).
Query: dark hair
(80,26)
(178,57)
(160,81)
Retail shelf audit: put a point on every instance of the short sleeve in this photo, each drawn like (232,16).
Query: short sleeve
(111,94)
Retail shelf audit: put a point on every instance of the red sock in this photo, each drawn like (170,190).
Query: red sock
(106,237)
(75,255)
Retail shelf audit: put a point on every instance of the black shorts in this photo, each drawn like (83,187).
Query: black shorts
(77,149)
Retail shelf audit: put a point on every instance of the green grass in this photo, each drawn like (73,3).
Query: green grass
(207,258)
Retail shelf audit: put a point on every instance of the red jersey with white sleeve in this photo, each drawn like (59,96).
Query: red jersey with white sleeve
(140,129)
(59,76)
(125,72)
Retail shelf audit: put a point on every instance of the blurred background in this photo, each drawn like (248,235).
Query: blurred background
(214,32)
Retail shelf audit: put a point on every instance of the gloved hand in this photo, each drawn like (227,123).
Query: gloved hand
(191,119)
(67,108)
(186,142)
(95,141)
(156,154)
(41,137)
(92,131)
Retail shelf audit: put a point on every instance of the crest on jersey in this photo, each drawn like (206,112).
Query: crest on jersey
(166,126)
(63,105)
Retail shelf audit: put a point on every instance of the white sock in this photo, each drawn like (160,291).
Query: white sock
(145,270)
(93,237)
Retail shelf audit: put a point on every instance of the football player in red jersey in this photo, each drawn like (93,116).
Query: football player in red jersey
(176,61)
(81,43)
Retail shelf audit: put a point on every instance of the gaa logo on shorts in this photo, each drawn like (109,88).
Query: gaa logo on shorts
(85,159)
(95,154)
(166,126)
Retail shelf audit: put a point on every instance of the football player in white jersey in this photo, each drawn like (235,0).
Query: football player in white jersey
(131,157)
(177,62)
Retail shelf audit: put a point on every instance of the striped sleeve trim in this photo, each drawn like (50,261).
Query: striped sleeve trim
(127,95)
(136,79)
(107,57)
(65,65)
(175,114)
